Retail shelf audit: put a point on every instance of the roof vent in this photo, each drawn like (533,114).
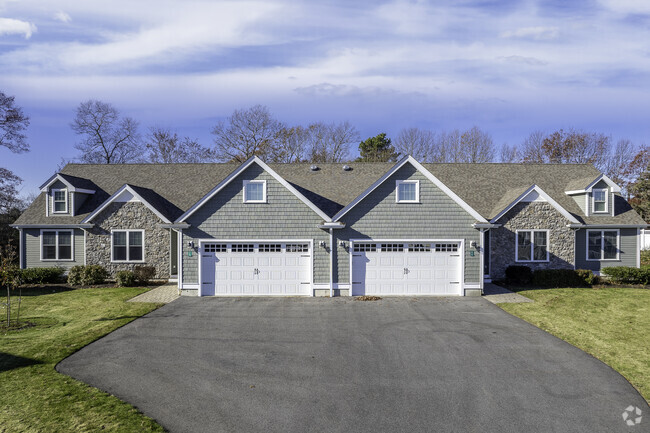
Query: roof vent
(313,167)
(347,168)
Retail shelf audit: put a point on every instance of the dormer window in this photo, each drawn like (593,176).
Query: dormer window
(60,200)
(599,200)
(254,191)
(407,191)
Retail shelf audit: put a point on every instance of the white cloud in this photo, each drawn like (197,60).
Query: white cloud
(627,6)
(62,16)
(536,33)
(10,26)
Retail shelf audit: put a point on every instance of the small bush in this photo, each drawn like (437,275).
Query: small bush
(144,273)
(42,275)
(125,279)
(519,274)
(87,275)
(559,278)
(626,275)
(588,277)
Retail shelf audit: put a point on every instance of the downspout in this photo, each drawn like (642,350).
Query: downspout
(331,262)
(20,249)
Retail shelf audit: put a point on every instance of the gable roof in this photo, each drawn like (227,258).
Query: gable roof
(578,186)
(237,172)
(73,183)
(409,160)
(486,188)
(542,194)
(138,193)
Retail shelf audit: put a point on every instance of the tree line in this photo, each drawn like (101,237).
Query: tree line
(108,137)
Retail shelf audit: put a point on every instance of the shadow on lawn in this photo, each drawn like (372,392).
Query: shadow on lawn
(46,289)
(9,362)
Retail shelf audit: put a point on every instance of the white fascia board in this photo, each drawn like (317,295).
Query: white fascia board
(575,192)
(117,193)
(606,226)
(52,226)
(70,187)
(548,198)
(427,174)
(608,181)
(236,173)
(486,225)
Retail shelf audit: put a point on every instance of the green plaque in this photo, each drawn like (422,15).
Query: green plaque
(189,253)
(471,254)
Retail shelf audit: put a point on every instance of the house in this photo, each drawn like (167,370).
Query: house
(330,229)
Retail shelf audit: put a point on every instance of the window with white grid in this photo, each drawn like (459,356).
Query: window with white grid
(446,248)
(392,247)
(270,248)
(365,247)
(297,248)
(242,248)
(214,248)
(420,248)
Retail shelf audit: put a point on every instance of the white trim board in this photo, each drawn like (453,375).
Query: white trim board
(71,187)
(236,173)
(426,173)
(112,198)
(543,194)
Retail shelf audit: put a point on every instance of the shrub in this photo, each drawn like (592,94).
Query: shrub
(144,273)
(87,275)
(626,275)
(519,274)
(559,278)
(588,277)
(42,275)
(125,279)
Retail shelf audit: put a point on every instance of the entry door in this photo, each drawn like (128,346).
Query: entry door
(399,268)
(246,269)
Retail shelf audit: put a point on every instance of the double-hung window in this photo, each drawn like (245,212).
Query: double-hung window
(407,191)
(56,244)
(60,200)
(602,244)
(254,191)
(532,246)
(600,200)
(128,246)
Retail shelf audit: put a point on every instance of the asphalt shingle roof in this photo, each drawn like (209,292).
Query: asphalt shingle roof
(174,188)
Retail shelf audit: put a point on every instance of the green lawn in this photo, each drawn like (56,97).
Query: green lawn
(612,324)
(33,396)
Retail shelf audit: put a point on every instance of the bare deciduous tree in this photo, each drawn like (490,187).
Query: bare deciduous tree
(166,147)
(247,132)
(330,142)
(509,153)
(476,146)
(531,148)
(419,143)
(107,138)
(12,124)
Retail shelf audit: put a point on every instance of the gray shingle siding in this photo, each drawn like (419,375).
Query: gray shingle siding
(437,216)
(50,199)
(581,202)
(627,253)
(284,216)
(32,256)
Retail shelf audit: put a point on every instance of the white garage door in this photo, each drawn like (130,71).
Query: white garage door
(250,268)
(412,268)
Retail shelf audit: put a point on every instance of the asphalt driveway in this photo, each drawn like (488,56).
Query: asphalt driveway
(337,365)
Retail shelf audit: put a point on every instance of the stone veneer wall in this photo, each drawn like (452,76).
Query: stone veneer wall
(531,216)
(132,215)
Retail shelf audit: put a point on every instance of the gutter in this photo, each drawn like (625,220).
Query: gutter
(611,226)
(58,226)
(180,226)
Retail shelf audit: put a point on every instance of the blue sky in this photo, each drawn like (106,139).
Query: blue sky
(510,67)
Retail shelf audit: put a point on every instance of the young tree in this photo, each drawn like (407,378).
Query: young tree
(377,149)
(107,138)
(247,132)
(167,147)
(419,143)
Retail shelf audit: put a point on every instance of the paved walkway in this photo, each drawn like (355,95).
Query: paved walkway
(499,295)
(160,295)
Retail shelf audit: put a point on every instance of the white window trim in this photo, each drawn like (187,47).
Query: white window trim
(417,191)
(532,246)
(127,246)
(593,201)
(602,241)
(52,193)
(245,184)
(71,259)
